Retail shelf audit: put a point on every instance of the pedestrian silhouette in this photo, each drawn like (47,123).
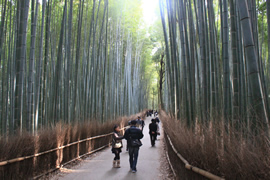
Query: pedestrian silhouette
(133,136)
(153,127)
(116,146)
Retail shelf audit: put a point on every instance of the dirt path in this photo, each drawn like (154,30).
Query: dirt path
(100,167)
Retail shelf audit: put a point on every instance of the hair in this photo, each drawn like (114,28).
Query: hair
(115,126)
(133,122)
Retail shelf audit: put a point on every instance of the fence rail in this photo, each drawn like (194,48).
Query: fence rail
(3,163)
(187,165)
(58,167)
(190,167)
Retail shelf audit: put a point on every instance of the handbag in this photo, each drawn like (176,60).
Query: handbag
(118,145)
(135,143)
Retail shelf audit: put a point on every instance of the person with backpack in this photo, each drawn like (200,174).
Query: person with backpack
(116,146)
(133,136)
(153,127)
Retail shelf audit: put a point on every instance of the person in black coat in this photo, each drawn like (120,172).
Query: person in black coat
(143,124)
(153,127)
(133,136)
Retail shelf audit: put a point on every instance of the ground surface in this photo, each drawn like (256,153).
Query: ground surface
(151,165)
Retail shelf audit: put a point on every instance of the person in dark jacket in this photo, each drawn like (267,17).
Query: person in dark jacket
(116,146)
(133,136)
(157,120)
(143,124)
(153,127)
(139,122)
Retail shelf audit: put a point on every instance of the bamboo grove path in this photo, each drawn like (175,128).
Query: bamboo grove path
(100,167)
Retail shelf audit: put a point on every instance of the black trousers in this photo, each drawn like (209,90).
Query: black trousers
(117,152)
(133,157)
(153,138)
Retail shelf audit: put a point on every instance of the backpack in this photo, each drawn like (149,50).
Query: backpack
(134,142)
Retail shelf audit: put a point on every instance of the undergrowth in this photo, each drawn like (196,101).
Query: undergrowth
(47,139)
(228,155)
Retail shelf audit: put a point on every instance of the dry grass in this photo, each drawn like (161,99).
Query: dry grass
(61,134)
(210,148)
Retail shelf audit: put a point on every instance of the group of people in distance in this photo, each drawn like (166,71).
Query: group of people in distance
(151,112)
(139,123)
(133,135)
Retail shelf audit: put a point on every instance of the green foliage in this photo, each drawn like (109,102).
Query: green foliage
(130,13)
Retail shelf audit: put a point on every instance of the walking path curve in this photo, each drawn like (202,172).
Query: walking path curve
(100,167)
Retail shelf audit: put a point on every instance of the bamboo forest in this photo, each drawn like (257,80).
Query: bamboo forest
(71,70)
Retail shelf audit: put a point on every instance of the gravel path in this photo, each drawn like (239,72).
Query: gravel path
(151,165)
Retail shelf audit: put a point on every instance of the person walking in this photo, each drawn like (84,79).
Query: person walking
(139,122)
(133,136)
(153,127)
(116,146)
(143,124)
(129,123)
(156,114)
(157,120)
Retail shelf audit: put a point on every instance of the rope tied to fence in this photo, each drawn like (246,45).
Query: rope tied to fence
(193,168)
